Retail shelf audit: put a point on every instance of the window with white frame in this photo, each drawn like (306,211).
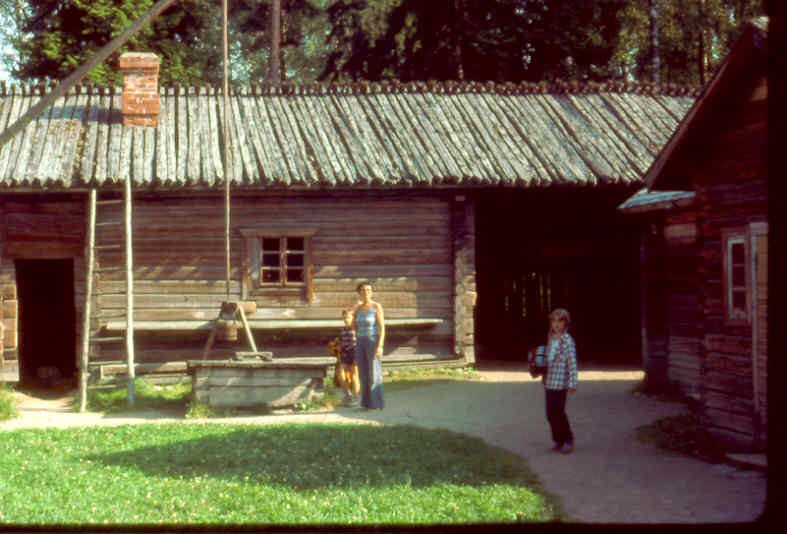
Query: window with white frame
(735,277)
(277,261)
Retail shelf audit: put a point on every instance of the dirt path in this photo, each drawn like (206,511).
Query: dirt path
(611,477)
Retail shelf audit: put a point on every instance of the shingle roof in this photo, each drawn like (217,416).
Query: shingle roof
(356,135)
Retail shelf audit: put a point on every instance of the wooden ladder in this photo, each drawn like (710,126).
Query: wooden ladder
(92,319)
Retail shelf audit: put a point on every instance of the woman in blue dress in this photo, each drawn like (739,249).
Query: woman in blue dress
(369,325)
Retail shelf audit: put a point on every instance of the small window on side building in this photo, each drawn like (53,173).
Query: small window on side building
(735,278)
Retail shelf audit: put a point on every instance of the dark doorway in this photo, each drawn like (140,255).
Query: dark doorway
(539,250)
(47,329)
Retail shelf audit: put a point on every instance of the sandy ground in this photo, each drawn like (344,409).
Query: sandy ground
(610,478)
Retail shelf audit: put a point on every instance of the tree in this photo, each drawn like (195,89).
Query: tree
(655,58)
(14,14)
(303,26)
(440,39)
(692,37)
(58,35)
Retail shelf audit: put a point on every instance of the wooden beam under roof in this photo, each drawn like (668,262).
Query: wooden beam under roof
(76,76)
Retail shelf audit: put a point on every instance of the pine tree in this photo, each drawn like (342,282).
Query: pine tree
(60,34)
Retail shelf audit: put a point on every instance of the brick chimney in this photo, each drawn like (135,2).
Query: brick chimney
(141,103)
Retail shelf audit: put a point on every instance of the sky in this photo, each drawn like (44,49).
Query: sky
(5,49)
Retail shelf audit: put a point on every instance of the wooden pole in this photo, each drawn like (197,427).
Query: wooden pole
(274,76)
(129,293)
(246,328)
(74,78)
(86,312)
(225,135)
(655,57)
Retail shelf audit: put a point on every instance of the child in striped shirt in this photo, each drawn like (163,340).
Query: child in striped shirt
(349,369)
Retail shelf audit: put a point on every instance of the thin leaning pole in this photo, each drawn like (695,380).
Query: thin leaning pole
(75,77)
(129,292)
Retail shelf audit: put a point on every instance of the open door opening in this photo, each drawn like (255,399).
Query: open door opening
(540,250)
(47,327)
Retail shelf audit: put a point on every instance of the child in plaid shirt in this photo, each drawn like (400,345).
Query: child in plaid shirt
(560,378)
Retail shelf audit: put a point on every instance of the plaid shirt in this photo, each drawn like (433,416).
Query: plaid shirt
(562,369)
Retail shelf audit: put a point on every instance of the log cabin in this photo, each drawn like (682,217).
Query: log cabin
(704,250)
(472,208)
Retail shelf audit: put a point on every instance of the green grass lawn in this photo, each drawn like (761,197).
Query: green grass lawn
(283,474)
(7,406)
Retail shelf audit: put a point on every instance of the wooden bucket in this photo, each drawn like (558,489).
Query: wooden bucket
(248,306)
(227,330)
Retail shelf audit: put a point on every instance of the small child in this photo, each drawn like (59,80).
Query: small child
(349,369)
(560,378)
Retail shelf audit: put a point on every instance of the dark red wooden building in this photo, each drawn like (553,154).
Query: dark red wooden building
(704,253)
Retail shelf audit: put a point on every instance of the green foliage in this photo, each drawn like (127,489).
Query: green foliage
(147,395)
(399,379)
(462,373)
(534,40)
(694,37)
(7,405)
(59,35)
(502,40)
(242,474)
(304,30)
(682,434)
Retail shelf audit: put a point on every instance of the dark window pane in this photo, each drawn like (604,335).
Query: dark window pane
(269,277)
(738,276)
(270,260)
(295,243)
(294,260)
(739,300)
(295,275)
(738,255)
(270,244)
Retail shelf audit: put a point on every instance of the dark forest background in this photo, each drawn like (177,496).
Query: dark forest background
(667,41)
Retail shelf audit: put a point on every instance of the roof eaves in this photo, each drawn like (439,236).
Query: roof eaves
(752,38)
(645,201)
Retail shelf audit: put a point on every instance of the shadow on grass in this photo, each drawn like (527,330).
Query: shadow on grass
(307,457)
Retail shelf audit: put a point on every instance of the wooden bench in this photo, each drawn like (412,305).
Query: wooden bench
(262,324)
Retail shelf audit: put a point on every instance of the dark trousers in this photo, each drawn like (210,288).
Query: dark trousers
(556,415)
(370,373)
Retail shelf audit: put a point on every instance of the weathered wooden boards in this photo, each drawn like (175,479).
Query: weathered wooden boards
(363,134)
(725,359)
(248,384)
(403,244)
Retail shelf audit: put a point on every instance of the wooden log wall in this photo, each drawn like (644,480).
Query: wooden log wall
(761,293)
(654,292)
(464,281)
(400,243)
(732,192)
(40,226)
(683,301)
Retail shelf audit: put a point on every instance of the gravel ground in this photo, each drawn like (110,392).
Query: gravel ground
(610,478)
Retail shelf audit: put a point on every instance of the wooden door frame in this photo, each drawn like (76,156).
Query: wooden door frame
(756,229)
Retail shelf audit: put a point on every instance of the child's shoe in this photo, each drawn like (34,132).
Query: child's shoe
(557,447)
(568,447)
